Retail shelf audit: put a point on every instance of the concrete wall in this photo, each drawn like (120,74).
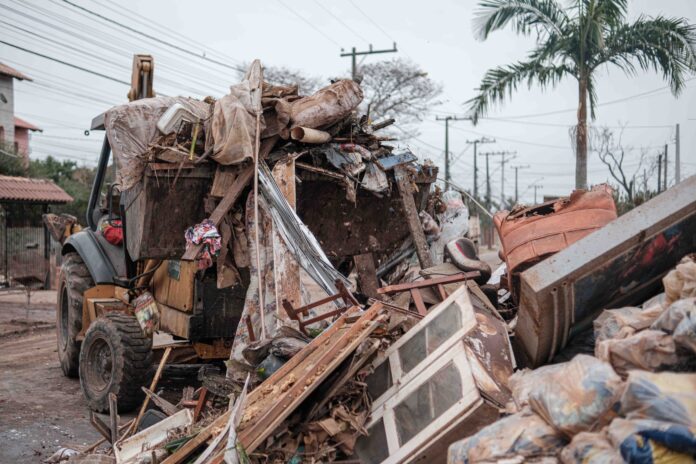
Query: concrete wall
(7,109)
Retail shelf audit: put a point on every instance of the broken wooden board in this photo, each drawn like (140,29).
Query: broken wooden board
(414,224)
(279,395)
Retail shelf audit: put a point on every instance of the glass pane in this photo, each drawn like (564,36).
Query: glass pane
(430,337)
(379,381)
(373,447)
(428,402)
(443,326)
(413,351)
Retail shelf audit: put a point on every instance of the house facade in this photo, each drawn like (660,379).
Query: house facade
(14,132)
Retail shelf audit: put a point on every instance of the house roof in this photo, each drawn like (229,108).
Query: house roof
(9,71)
(19,122)
(24,189)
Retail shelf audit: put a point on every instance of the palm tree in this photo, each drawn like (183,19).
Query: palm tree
(576,41)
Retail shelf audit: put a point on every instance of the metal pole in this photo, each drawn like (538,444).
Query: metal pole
(516,192)
(665,185)
(447,165)
(475,171)
(354,66)
(488,185)
(677,160)
(659,173)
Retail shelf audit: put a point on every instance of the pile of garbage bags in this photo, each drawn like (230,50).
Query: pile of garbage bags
(631,402)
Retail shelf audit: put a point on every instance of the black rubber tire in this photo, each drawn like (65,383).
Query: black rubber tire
(115,358)
(74,280)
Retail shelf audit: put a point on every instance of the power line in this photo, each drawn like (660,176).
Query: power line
(309,23)
(374,23)
(64,63)
(156,39)
(342,22)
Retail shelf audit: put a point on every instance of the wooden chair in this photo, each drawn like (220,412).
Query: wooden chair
(298,314)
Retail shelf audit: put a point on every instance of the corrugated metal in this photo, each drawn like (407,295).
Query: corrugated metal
(24,189)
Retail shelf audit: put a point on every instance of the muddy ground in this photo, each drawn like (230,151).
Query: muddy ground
(40,409)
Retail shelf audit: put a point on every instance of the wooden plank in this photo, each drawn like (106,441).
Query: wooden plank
(113,416)
(223,180)
(331,354)
(287,268)
(174,321)
(153,385)
(230,198)
(414,225)
(367,275)
(189,447)
(429,282)
(418,301)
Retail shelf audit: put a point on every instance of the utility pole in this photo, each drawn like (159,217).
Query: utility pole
(659,173)
(517,168)
(354,54)
(536,187)
(503,161)
(677,161)
(475,143)
(447,119)
(664,183)
(488,177)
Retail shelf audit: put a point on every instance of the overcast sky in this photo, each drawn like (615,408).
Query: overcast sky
(308,35)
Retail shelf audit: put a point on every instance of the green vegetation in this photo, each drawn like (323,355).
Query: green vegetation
(576,40)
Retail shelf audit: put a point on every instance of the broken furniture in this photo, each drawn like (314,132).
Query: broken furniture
(297,314)
(443,380)
(414,288)
(529,235)
(618,265)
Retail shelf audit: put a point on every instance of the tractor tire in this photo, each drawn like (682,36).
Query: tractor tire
(74,280)
(115,358)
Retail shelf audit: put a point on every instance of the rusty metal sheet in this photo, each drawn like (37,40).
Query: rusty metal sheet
(621,264)
(532,234)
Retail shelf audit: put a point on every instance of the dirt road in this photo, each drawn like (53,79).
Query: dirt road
(40,409)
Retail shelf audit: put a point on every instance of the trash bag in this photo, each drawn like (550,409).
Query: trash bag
(132,127)
(523,435)
(327,106)
(234,119)
(623,322)
(680,282)
(591,447)
(649,441)
(650,350)
(576,396)
(454,224)
(665,396)
(680,321)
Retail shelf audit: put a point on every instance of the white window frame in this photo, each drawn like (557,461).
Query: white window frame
(468,317)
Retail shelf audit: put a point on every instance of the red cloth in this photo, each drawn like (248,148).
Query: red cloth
(113,233)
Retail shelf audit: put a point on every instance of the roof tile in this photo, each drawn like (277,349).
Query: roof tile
(24,189)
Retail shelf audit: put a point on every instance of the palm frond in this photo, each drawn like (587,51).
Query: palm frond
(524,15)
(499,83)
(666,45)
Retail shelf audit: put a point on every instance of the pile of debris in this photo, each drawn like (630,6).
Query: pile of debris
(412,349)
(630,403)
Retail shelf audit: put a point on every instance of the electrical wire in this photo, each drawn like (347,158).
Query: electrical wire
(306,21)
(342,22)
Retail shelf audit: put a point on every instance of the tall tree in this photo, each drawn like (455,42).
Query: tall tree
(575,41)
(399,89)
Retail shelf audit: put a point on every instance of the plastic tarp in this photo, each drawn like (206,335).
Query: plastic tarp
(666,396)
(327,106)
(234,119)
(649,441)
(650,350)
(521,436)
(132,127)
(623,322)
(576,396)
(680,321)
(454,224)
(593,447)
(681,281)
